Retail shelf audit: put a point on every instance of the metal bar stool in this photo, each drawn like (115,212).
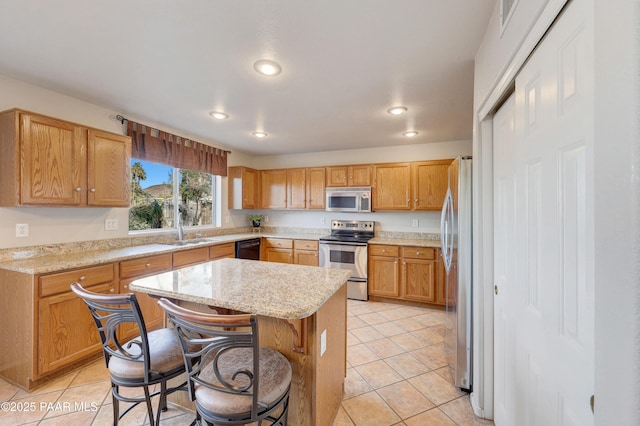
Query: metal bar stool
(149,359)
(232,379)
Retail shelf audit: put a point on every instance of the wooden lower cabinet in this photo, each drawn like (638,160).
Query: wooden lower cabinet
(190,257)
(66,330)
(405,273)
(131,270)
(384,271)
(221,251)
(305,252)
(285,250)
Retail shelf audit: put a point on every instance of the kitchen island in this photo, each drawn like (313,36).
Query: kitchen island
(302,312)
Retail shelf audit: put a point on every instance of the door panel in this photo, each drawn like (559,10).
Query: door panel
(543,213)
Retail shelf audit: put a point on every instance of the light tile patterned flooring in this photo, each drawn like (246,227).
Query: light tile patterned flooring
(396,375)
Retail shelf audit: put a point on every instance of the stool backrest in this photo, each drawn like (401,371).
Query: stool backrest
(109,311)
(206,338)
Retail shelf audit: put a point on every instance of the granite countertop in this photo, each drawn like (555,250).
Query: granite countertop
(412,242)
(79,259)
(264,288)
(87,255)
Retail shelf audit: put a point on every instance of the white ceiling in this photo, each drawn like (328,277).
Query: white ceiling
(345,62)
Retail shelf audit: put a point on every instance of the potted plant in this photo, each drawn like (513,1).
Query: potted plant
(256,220)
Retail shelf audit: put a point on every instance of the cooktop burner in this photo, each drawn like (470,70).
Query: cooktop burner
(350,231)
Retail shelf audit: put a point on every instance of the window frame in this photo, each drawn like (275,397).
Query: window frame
(216,198)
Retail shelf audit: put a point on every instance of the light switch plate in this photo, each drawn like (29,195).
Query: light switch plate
(110,224)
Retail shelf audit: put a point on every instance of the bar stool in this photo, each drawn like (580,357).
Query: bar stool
(231,378)
(149,359)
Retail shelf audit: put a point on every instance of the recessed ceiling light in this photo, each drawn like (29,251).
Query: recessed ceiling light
(410,133)
(260,134)
(219,115)
(397,110)
(267,67)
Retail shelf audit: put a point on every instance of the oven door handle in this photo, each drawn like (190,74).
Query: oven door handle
(342,243)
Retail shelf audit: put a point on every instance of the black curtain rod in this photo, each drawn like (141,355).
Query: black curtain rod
(122,119)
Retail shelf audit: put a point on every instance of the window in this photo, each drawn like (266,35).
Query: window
(157,189)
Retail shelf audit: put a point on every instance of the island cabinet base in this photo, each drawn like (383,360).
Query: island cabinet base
(317,384)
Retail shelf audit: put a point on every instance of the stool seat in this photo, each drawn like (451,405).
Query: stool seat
(275,377)
(165,355)
(231,378)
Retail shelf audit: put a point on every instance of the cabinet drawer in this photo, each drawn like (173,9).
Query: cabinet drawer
(59,283)
(189,257)
(381,250)
(419,253)
(279,243)
(145,265)
(305,245)
(222,250)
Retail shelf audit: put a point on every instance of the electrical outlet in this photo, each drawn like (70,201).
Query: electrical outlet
(323,342)
(415,223)
(22,230)
(110,224)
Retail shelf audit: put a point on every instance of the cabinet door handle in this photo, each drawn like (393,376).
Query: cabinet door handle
(78,189)
(495,289)
(126,286)
(82,278)
(147,265)
(92,190)
(111,291)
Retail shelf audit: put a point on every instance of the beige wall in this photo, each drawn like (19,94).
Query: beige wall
(60,225)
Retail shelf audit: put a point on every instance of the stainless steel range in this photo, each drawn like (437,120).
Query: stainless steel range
(346,248)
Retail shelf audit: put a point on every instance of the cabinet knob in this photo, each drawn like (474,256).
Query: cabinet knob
(384,250)
(82,278)
(147,265)
(92,190)
(416,200)
(418,253)
(78,189)
(111,291)
(126,286)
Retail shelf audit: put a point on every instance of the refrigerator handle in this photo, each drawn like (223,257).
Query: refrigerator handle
(445,231)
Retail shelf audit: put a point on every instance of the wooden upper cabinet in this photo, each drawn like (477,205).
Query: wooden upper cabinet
(430,183)
(52,166)
(315,188)
(46,161)
(108,169)
(391,186)
(296,188)
(356,175)
(243,188)
(273,189)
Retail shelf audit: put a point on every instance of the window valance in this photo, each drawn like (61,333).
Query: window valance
(162,147)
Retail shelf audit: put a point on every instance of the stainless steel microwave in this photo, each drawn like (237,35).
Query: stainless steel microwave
(356,199)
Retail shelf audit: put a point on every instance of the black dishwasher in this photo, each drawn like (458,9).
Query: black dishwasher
(248,249)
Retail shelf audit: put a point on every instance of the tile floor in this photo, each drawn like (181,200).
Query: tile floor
(396,375)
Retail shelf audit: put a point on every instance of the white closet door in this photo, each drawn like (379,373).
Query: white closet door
(543,183)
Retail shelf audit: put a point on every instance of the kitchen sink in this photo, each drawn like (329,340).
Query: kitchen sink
(191,242)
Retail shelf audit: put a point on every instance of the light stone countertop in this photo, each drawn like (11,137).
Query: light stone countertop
(412,242)
(264,288)
(83,256)
(81,259)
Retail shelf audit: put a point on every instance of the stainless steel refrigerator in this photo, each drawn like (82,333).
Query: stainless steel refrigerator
(456,240)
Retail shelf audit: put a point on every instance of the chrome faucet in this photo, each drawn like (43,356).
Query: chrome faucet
(180,232)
